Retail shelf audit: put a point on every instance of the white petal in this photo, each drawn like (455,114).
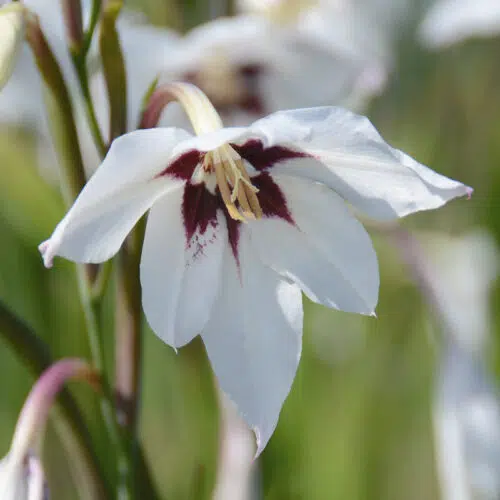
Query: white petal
(116,196)
(452,21)
(180,282)
(36,483)
(328,252)
(13,483)
(253,339)
(350,157)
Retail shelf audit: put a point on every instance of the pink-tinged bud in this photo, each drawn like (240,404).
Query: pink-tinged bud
(72,12)
(36,408)
(21,474)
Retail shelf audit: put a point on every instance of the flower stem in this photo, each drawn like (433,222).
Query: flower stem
(94,18)
(83,79)
(128,342)
(79,57)
(91,309)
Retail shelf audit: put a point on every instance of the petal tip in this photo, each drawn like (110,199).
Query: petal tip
(47,256)
(469,191)
(259,443)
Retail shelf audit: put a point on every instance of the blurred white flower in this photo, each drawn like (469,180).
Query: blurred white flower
(458,276)
(448,22)
(22,100)
(250,66)
(11,36)
(362,32)
(241,220)
(22,103)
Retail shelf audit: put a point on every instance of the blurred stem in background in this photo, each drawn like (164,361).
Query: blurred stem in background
(79,52)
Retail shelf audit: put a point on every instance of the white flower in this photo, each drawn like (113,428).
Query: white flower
(243,219)
(467,409)
(250,66)
(22,100)
(452,21)
(362,32)
(11,36)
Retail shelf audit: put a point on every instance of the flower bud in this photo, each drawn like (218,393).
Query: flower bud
(12,23)
(21,474)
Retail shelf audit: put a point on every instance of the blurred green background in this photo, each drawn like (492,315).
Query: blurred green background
(357,422)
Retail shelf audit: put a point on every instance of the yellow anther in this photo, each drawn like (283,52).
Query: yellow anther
(234,183)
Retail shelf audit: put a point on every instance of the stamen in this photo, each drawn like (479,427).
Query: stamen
(220,176)
(231,175)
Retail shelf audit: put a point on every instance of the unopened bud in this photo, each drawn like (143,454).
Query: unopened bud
(12,23)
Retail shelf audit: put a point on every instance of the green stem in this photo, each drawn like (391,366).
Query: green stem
(128,342)
(80,65)
(94,18)
(79,58)
(66,415)
(100,283)
(91,311)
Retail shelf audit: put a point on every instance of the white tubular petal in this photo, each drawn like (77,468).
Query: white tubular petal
(116,196)
(350,156)
(179,282)
(327,253)
(254,339)
(13,484)
(36,483)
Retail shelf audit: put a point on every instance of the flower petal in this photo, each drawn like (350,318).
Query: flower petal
(348,155)
(116,196)
(180,280)
(13,481)
(450,21)
(253,339)
(327,252)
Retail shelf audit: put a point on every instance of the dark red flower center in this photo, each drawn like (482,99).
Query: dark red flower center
(200,206)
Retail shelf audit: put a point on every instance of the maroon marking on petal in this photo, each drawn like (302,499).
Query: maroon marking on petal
(199,209)
(183,167)
(271,198)
(261,158)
